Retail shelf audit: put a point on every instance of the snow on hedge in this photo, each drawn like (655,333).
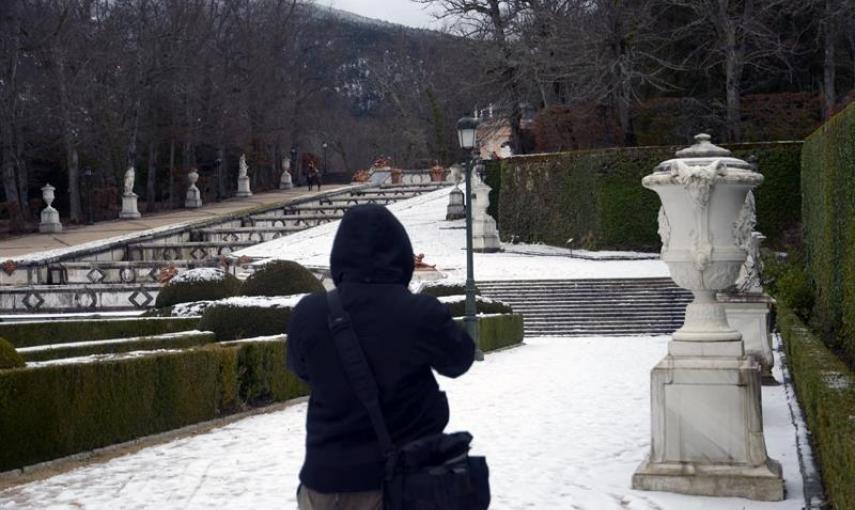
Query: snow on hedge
(112,341)
(460,298)
(261,301)
(200,274)
(98,358)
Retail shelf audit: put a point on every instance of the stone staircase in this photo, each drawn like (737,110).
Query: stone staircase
(124,275)
(595,307)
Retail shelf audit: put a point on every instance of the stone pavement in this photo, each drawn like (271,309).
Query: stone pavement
(73,235)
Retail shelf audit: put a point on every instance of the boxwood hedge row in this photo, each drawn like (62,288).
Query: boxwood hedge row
(145,343)
(828,212)
(595,197)
(29,334)
(53,411)
(826,391)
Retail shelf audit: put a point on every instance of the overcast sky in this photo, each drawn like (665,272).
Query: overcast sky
(404,12)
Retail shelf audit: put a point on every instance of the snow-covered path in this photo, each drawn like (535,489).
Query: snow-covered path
(563,422)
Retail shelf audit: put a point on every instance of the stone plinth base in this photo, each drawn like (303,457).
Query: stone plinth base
(750,315)
(243,190)
(485,236)
(193,200)
(456,209)
(760,483)
(129,207)
(285,182)
(707,429)
(50,221)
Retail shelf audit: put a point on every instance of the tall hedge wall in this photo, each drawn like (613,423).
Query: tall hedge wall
(826,391)
(828,181)
(596,197)
(53,411)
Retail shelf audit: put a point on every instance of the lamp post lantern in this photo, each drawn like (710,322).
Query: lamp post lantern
(467,128)
(324,167)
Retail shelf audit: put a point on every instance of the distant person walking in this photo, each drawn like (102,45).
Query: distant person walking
(313,176)
(404,337)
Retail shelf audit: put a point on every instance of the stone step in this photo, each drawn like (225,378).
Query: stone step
(78,298)
(144,271)
(305,220)
(364,197)
(185,251)
(602,307)
(246,234)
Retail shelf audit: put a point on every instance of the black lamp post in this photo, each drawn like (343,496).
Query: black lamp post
(324,168)
(467,128)
(221,192)
(87,182)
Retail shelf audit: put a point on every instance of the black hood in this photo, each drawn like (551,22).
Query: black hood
(371,246)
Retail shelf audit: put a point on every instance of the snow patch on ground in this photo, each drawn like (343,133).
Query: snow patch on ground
(192,309)
(443,243)
(462,297)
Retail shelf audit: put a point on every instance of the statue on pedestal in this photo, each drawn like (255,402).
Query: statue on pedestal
(243,179)
(193,200)
(129,198)
(285,181)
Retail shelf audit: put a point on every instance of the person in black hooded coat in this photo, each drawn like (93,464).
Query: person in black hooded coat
(404,336)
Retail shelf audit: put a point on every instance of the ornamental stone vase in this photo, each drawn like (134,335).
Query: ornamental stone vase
(193,198)
(707,426)
(50,216)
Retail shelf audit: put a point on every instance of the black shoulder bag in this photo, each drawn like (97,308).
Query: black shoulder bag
(431,473)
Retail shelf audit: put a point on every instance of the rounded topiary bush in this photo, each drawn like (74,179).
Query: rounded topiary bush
(248,317)
(444,289)
(202,284)
(9,357)
(281,278)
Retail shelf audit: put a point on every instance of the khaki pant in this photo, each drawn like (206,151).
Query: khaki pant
(307,499)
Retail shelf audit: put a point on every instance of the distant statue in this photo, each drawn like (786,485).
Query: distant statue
(420,263)
(242,166)
(130,176)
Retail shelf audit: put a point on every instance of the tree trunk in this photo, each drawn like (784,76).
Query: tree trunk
(10,184)
(172,202)
(23,181)
(151,178)
(733,85)
(10,49)
(221,170)
(71,159)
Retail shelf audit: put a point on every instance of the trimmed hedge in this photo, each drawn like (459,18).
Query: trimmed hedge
(146,343)
(179,291)
(458,309)
(281,278)
(500,331)
(29,334)
(59,410)
(235,322)
(9,357)
(443,290)
(595,197)
(826,391)
(828,212)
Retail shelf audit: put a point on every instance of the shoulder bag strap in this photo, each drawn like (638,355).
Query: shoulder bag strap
(357,369)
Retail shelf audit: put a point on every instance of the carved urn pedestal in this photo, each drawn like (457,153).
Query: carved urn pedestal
(485,235)
(707,423)
(50,216)
(193,198)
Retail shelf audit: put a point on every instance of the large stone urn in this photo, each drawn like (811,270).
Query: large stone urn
(50,216)
(707,424)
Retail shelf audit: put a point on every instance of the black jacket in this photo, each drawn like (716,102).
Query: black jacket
(403,335)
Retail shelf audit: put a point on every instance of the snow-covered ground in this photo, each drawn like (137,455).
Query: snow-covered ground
(563,422)
(443,243)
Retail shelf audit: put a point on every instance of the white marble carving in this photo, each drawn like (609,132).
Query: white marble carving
(285,181)
(456,208)
(485,235)
(243,179)
(129,198)
(707,428)
(193,199)
(50,216)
